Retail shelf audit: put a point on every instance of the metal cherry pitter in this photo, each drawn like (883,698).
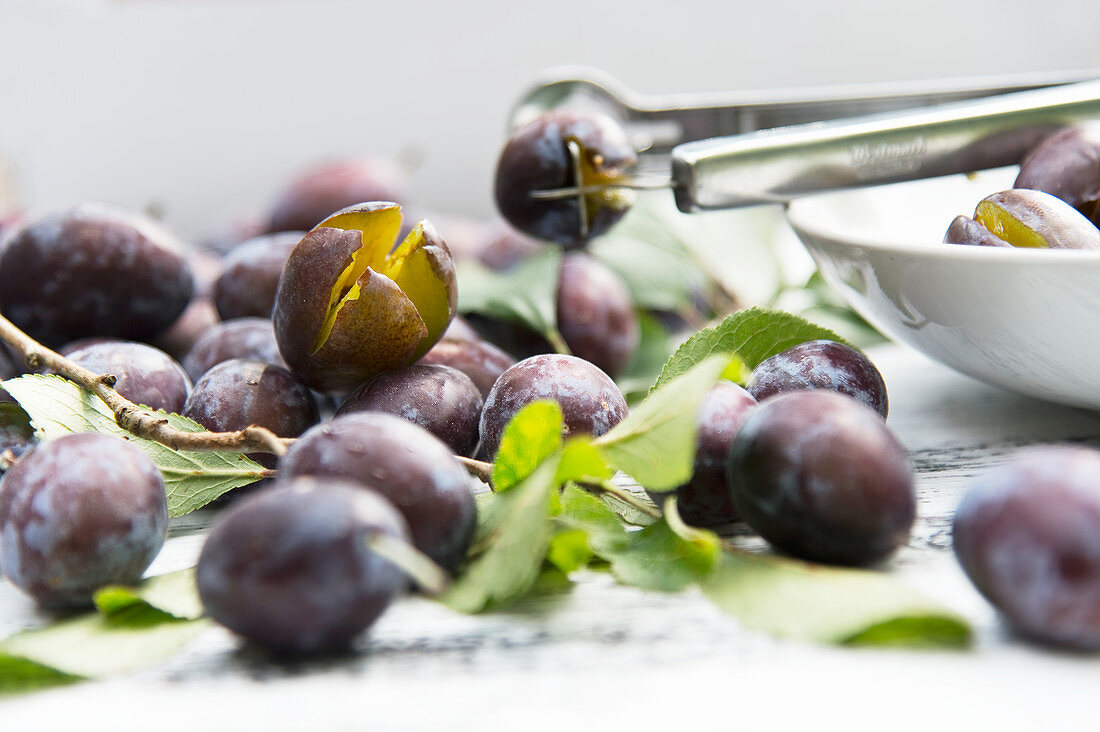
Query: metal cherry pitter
(731,150)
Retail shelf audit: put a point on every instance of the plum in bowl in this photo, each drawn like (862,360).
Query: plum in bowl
(1021,319)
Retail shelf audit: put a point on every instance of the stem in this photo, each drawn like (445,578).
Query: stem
(626,497)
(557,342)
(429,576)
(479,469)
(131,417)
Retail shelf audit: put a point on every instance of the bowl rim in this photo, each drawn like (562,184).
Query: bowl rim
(802,217)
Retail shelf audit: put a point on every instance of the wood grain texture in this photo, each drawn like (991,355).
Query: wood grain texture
(605,654)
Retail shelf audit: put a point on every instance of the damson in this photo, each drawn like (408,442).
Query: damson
(537,157)
(79,512)
(351,305)
(249,276)
(705,500)
(1034,219)
(1067,165)
(313,196)
(182,335)
(590,401)
(440,399)
(403,462)
(248,338)
(481,361)
(820,476)
(143,374)
(506,248)
(1027,533)
(595,313)
(238,393)
(821,365)
(92,270)
(291,568)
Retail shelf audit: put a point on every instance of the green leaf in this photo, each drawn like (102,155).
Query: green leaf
(175,594)
(650,258)
(581,511)
(123,635)
(655,445)
(516,531)
(654,349)
(526,294)
(15,423)
(659,557)
(793,599)
(191,479)
(569,550)
(532,436)
(20,675)
(752,335)
(581,461)
(667,257)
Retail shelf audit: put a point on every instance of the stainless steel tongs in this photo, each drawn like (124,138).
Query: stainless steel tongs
(736,150)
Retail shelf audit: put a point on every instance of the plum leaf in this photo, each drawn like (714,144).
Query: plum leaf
(191,479)
(795,599)
(655,445)
(751,335)
(128,630)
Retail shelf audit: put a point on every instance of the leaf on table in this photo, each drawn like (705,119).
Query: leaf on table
(191,479)
(529,438)
(655,444)
(794,599)
(515,531)
(752,335)
(121,637)
(527,293)
(174,593)
(20,675)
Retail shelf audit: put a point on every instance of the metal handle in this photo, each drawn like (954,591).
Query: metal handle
(777,165)
(658,123)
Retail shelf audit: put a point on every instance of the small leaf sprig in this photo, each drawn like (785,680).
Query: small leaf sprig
(132,417)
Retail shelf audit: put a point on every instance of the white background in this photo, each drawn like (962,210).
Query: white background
(206,108)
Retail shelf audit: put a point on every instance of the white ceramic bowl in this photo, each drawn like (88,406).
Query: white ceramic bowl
(1024,319)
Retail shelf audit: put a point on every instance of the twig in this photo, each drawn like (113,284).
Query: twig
(131,417)
(477,468)
(624,496)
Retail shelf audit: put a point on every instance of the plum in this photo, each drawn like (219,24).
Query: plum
(1067,165)
(79,512)
(1027,534)
(314,195)
(821,364)
(349,308)
(1029,218)
(820,476)
(440,399)
(405,463)
(291,568)
(92,270)
(590,401)
(537,157)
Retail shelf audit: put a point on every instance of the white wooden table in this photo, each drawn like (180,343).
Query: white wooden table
(607,655)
